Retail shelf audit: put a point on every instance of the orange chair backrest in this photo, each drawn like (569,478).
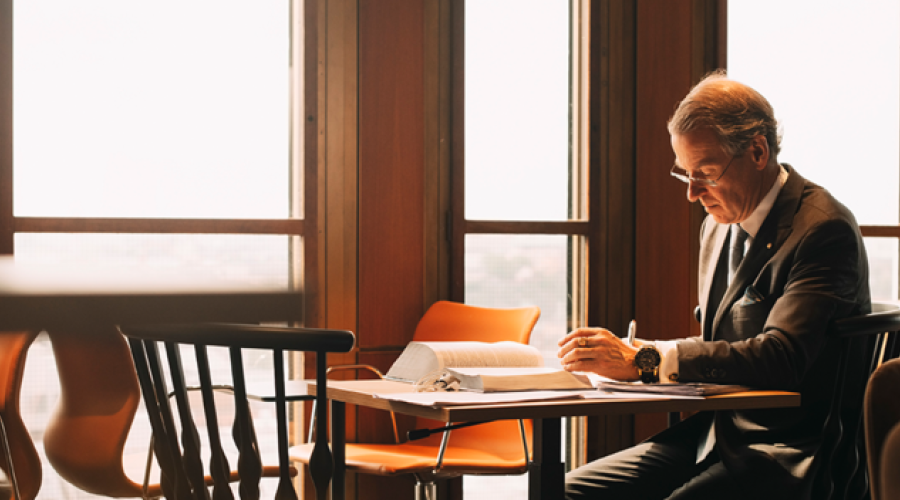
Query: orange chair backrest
(86,436)
(13,350)
(446,321)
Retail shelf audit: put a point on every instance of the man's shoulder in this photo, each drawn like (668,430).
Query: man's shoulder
(815,204)
(818,204)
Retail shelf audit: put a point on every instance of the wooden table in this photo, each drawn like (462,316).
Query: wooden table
(546,471)
(80,305)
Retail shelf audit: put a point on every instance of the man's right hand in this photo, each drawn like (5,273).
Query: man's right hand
(599,351)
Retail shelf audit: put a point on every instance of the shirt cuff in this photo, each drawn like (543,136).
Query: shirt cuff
(668,367)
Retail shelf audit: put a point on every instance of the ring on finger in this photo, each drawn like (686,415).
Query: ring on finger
(582,342)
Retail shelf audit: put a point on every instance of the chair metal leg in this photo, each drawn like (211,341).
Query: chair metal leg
(524,440)
(426,490)
(444,440)
(9,461)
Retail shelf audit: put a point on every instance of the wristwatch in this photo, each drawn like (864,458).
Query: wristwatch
(647,361)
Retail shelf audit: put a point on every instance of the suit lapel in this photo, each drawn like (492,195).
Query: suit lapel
(711,252)
(772,234)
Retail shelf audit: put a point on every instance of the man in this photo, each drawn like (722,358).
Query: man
(780,259)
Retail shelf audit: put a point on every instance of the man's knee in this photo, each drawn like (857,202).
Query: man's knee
(648,470)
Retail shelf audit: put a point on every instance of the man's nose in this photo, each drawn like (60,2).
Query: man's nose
(694,190)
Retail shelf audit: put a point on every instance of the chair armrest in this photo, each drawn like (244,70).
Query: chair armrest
(869,324)
(247,336)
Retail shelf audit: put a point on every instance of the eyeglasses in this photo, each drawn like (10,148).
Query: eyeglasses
(682,175)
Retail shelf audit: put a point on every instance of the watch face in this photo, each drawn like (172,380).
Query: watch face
(647,358)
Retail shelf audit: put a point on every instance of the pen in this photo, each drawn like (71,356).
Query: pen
(632,331)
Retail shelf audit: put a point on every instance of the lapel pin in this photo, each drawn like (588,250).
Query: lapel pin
(769,246)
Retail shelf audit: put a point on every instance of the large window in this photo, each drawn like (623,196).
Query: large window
(518,187)
(162,134)
(517,161)
(832,72)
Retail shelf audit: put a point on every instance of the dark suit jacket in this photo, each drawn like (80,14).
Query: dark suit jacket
(808,265)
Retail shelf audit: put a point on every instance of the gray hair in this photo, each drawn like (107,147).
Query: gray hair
(733,111)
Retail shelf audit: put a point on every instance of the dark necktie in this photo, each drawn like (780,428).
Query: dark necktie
(738,239)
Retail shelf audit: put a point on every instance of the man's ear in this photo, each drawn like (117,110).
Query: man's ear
(759,152)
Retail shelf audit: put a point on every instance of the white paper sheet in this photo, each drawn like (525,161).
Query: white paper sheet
(479,398)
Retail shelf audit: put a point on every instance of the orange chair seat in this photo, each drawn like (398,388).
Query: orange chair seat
(411,458)
(482,449)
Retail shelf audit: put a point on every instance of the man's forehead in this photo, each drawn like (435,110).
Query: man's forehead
(696,149)
(696,163)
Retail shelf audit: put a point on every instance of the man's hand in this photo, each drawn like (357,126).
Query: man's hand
(598,350)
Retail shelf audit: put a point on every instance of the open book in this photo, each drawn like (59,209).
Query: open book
(424,358)
(482,366)
(500,379)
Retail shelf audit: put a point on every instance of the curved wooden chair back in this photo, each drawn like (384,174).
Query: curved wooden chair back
(866,341)
(179,448)
(25,473)
(882,428)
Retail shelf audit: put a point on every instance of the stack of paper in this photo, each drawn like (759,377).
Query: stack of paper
(686,389)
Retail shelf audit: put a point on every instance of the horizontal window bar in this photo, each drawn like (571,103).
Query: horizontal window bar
(186,226)
(527,227)
(880,231)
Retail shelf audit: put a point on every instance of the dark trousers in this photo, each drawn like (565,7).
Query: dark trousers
(654,470)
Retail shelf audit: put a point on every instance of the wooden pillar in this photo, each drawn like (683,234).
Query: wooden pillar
(676,45)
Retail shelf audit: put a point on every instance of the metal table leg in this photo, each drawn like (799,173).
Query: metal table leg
(546,472)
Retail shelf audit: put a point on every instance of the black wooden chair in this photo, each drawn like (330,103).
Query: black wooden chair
(867,341)
(182,468)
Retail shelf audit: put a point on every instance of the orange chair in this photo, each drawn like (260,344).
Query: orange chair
(490,448)
(99,395)
(19,460)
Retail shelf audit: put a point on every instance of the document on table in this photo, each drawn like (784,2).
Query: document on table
(685,389)
(605,388)
(635,395)
(460,398)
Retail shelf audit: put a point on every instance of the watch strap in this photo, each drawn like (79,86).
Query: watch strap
(649,376)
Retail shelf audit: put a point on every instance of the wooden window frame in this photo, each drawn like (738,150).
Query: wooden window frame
(304,152)
(602,161)
(580,225)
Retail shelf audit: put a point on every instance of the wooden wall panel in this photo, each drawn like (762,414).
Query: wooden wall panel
(664,260)
(611,289)
(340,187)
(391,192)
(663,212)
(391,177)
